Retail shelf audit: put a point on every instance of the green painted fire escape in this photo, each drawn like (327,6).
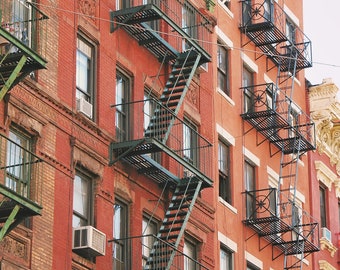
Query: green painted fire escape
(21,45)
(165,128)
(21,42)
(274,213)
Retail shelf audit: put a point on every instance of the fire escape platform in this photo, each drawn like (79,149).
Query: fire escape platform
(269,123)
(134,21)
(137,153)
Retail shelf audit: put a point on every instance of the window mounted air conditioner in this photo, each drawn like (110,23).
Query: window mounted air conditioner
(325,233)
(202,68)
(84,107)
(87,241)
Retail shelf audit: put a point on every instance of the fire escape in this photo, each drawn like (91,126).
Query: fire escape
(185,171)
(274,213)
(21,45)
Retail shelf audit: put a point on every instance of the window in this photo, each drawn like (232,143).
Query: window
(190,251)
(149,108)
(18,163)
(85,73)
(323,207)
(154,24)
(223,68)
(150,227)
(291,36)
(247,12)
(250,185)
(121,4)
(122,112)
(268,8)
(226,3)
(189,24)
(224,171)
(190,143)
(82,200)
(294,121)
(226,259)
(248,82)
(250,266)
(120,232)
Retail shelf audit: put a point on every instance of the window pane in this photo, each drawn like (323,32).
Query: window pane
(119,233)
(81,200)
(122,97)
(323,210)
(84,70)
(18,171)
(189,250)
(225,260)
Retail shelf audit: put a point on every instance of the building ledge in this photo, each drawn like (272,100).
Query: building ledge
(324,265)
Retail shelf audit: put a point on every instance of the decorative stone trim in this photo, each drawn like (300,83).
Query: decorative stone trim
(325,112)
(324,265)
(326,245)
(337,187)
(324,174)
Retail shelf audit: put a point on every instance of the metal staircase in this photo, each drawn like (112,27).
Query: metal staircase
(173,94)
(276,215)
(174,224)
(165,129)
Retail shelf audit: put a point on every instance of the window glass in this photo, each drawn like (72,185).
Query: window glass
(189,250)
(190,142)
(120,229)
(85,70)
(18,168)
(150,227)
(323,209)
(189,24)
(249,175)
(248,82)
(122,98)
(226,259)
(81,200)
(222,68)
(224,177)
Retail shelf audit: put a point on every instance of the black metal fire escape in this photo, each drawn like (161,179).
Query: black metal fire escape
(165,128)
(21,45)
(269,109)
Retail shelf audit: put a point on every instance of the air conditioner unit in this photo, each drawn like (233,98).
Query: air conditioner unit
(84,107)
(202,68)
(325,233)
(88,241)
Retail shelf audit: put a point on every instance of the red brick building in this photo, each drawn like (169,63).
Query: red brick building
(155,134)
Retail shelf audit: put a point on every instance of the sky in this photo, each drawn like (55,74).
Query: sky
(321,25)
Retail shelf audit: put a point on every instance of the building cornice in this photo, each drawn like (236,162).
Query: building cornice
(325,112)
(324,265)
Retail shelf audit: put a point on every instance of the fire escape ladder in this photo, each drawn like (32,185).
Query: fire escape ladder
(173,95)
(174,224)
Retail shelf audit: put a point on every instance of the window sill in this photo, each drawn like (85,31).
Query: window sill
(226,97)
(227,10)
(230,207)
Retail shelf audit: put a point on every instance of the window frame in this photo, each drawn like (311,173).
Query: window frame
(123,244)
(122,114)
(190,264)
(225,187)
(16,177)
(250,185)
(190,145)
(248,81)
(223,71)
(86,51)
(88,217)
(323,207)
(229,259)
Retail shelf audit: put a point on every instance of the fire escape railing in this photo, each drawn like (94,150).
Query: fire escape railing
(279,220)
(265,23)
(141,248)
(21,183)
(186,27)
(269,111)
(23,39)
(148,140)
